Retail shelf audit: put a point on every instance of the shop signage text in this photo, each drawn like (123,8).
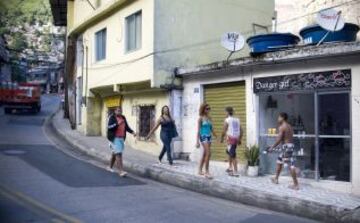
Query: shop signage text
(304,81)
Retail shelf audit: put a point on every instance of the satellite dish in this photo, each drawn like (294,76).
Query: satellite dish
(330,20)
(232,41)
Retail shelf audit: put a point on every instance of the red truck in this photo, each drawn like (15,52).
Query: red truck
(22,96)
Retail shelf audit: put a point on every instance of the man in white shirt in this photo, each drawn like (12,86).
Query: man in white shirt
(233,132)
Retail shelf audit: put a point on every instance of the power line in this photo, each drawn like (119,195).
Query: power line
(246,33)
(211,41)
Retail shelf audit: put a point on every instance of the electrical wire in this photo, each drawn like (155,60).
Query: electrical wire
(211,41)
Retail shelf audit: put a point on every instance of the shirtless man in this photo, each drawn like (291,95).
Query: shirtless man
(285,140)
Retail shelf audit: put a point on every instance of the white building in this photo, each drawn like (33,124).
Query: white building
(319,87)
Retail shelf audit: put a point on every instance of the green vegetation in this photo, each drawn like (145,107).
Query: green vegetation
(15,15)
(252,155)
(23,26)
(18,12)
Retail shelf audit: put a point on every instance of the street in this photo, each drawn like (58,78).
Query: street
(40,183)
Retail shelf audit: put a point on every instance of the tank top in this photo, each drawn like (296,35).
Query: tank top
(233,126)
(166,125)
(206,127)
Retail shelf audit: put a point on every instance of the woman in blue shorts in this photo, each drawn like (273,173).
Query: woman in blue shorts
(204,135)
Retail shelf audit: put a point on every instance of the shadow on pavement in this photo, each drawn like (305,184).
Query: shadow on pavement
(66,169)
(268,218)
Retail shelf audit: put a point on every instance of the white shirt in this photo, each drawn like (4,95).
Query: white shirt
(233,126)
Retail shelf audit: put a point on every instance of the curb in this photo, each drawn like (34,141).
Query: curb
(244,195)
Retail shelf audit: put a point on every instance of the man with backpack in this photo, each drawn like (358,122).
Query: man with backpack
(116,134)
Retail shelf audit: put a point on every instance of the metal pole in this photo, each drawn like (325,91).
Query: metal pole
(317,155)
(86,74)
(337,21)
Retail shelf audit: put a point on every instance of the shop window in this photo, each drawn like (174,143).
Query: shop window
(300,109)
(146,120)
(332,141)
(133,31)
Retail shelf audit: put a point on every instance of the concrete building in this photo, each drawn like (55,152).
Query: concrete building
(125,53)
(317,86)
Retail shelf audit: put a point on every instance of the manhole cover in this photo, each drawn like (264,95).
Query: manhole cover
(14,152)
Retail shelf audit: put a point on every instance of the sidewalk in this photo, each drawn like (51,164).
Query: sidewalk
(309,201)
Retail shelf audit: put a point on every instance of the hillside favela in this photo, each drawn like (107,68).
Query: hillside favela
(156,111)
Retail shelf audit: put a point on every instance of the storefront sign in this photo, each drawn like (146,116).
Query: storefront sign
(305,81)
(112,102)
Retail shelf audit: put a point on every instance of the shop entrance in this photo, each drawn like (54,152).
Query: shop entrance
(322,137)
(334,136)
(219,96)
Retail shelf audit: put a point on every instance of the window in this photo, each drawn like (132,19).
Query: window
(321,123)
(146,120)
(133,32)
(100,45)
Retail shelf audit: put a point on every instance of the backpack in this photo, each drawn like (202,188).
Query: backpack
(110,134)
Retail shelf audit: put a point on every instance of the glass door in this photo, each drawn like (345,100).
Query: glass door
(334,136)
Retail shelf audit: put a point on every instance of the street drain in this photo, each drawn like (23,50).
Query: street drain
(14,152)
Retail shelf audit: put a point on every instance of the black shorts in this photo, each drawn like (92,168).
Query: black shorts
(231,151)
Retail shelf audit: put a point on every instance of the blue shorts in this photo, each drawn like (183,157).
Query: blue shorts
(205,139)
(231,150)
(118,145)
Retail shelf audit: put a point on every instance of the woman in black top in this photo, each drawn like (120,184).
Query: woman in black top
(168,132)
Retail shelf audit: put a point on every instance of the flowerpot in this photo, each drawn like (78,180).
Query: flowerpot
(253,171)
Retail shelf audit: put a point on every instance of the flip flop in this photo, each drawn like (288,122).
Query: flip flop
(293,187)
(274,181)
(235,175)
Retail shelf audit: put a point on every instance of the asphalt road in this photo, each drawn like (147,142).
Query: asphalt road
(41,183)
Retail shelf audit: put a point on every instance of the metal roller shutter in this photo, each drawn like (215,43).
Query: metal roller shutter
(219,96)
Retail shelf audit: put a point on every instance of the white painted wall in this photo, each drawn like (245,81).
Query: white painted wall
(156,98)
(188,32)
(193,100)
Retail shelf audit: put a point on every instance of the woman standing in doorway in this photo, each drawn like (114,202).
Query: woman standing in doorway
(204,135)
(168,132)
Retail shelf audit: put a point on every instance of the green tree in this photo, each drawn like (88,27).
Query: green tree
(18,42)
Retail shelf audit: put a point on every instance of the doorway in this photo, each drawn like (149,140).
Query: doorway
(334,136)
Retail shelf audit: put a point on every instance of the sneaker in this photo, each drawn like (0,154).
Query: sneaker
(123,174)
(110,169)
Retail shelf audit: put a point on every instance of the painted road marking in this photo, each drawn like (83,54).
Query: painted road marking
(36,207)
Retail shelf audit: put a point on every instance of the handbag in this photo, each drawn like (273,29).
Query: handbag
(110,134)
(174,131)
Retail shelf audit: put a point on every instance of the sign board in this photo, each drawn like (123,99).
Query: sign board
(112,102)
(330,20)
(304,81)
(232,41)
